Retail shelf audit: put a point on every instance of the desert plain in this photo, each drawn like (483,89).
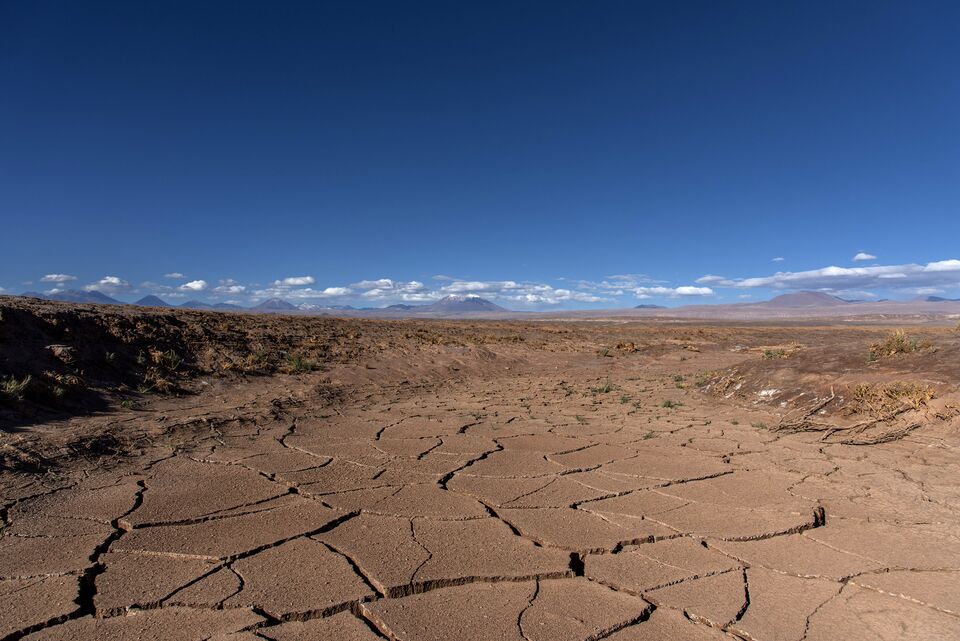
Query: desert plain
(169,474)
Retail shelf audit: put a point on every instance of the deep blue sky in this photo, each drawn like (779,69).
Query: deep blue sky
(489,142)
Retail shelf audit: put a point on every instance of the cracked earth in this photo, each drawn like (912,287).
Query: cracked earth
(449,498)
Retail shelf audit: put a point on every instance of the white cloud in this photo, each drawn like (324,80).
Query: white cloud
(672,292)
(174,275)
(379,283)
(295,281)
(553,296)
(711,279)
(778,259)
(300,293)
(388,289)
(944,273)
(194,286)
(943,266)
(229,286)
(57,278)
(864,256)
(465,286)
(108,284)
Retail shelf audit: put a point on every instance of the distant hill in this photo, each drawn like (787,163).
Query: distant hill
(312,307)
(939,299)
(649,307)
(461,305)
(402,307)
(76,296)
(195,304)
(226,306)
(152,301)
(805,299)
(275,305)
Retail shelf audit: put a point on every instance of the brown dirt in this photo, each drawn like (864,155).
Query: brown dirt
(474,480)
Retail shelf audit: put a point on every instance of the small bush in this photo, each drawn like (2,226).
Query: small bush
(669,404)
(772,354)
(759,426)
(883,400)
(896,343)
(300,364)
(602,389)
(14,389)
(603,351)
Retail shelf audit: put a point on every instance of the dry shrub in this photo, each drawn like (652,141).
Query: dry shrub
(897,343)
(13,388)
(889,399)
(775,352)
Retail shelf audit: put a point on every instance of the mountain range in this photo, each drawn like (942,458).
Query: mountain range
(802,304)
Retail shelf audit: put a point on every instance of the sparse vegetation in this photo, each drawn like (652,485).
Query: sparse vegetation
(896,343)
(604,351)
(670,404)
(624,399)
(886,400)
(300,364)
(605,388)
(774,353)
(14,389)
(759,426)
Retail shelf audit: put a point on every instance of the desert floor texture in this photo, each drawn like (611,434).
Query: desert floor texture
(538,482)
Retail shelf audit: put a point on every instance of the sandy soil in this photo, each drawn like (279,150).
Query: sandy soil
(496,481)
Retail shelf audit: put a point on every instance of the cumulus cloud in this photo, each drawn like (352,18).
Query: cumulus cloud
(108,284)
(295,281)
(550,296)
(672,292)
(944,273)
(864,256)
(194,286)
(380,289)
(57,278)
(229,286)
(615,285)
(524,293)
(300,293)
(173,275)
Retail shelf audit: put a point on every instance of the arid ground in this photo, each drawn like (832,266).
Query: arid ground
(191,475)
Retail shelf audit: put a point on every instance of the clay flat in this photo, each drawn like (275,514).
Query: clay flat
(442,480)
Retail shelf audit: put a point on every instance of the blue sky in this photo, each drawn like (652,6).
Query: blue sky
(589,154)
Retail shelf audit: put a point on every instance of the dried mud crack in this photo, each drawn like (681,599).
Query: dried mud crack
(509,498)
